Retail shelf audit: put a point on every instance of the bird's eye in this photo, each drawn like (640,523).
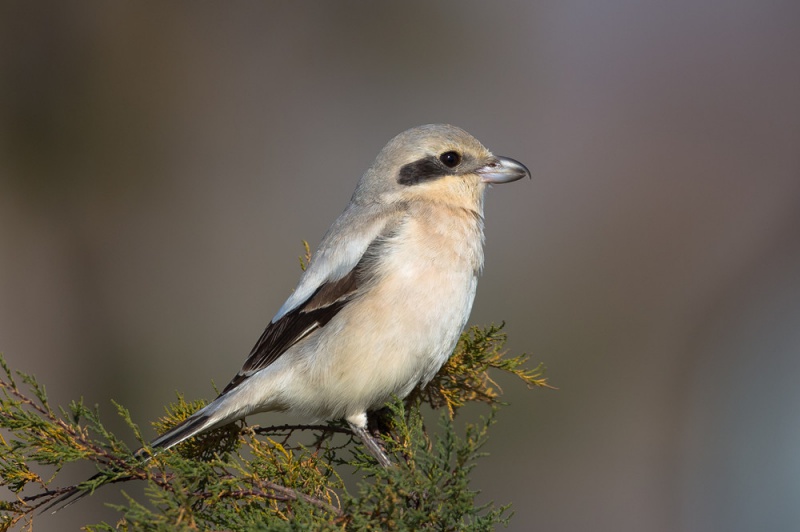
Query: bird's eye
(450,159)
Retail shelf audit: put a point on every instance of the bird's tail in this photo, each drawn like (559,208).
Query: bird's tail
(196,423)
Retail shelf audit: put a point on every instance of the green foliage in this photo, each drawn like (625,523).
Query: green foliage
(305,259)
(431,488)
(243,477)
(465,377)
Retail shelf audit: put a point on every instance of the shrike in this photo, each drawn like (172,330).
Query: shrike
(381,306)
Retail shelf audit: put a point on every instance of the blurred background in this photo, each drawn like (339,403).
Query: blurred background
(161,163)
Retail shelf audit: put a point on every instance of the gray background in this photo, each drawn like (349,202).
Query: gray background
(160,164)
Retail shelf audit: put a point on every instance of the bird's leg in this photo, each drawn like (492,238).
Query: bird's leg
(372,446)
(358,424)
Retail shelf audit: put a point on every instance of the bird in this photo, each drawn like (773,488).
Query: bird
(382,304)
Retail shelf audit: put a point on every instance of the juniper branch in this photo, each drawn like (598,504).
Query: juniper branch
(219,477)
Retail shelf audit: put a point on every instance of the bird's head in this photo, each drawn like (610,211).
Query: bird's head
(435,162)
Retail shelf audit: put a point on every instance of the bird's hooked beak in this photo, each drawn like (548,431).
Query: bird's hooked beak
(503,170)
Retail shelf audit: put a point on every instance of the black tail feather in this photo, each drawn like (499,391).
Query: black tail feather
(182,431)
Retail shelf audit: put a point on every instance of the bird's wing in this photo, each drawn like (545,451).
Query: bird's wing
(341,249)
(344,262)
